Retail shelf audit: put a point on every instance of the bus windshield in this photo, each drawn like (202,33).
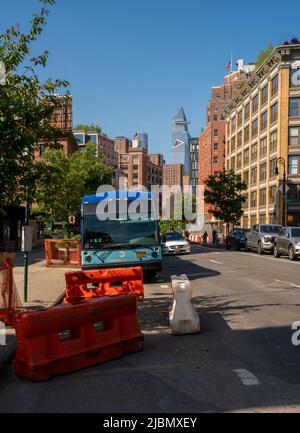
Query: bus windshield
(118,234)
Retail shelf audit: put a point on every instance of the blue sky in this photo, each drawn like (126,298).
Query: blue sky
(132,63)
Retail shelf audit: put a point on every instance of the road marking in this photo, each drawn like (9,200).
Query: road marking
(271,258)
(247,378)
(165,286)
(287,282)
(214,261)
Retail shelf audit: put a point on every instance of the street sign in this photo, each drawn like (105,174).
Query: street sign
(281,188)
(26,239)
(72,220)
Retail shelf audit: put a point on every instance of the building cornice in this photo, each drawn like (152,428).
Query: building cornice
(280,56)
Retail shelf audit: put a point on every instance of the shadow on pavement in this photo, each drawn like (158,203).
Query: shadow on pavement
(173,265)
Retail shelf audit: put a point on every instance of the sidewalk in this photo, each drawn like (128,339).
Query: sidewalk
(46,287)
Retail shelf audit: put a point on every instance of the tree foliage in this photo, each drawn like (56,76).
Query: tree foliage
(63,181)
(83,127)
(25,112)
(263,55)
(225,193)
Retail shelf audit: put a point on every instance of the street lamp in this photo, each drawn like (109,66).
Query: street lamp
(281,160)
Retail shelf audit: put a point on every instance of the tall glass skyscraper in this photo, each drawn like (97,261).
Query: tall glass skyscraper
(180,141)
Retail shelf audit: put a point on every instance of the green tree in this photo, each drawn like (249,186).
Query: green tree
(88,128)
(263,55)
(225,193)
(63,181)
(25,111)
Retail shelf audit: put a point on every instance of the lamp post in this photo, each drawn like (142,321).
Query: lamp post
(281,160)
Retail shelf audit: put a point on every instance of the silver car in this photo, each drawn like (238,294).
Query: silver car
(262,238)
(175,243)
(288,243)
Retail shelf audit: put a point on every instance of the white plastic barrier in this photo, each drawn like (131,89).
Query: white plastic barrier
(183,316)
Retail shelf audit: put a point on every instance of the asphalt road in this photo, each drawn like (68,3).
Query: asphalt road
(243,360)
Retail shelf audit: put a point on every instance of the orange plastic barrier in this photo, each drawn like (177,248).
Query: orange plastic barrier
(104,282)
(72,337)
(63,253)
(9,298)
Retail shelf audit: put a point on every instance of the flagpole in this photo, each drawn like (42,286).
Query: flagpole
(231,61)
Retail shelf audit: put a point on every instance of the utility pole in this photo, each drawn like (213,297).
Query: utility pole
(283,190)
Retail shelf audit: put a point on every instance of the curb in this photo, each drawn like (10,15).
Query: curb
(10,348)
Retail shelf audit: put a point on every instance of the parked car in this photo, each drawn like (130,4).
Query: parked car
(236,239)
(288,243)
(262,238)
(175,243)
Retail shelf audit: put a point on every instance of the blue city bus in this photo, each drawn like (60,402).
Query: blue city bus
(111,238)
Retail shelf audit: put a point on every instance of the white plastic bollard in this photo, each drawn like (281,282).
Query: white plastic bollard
(183,316)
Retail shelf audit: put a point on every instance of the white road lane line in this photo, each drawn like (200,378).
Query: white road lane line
(165,286)
(214,261)
(272,258)
(247,378)
(287,282)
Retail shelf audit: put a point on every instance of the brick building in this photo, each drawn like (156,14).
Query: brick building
(173,175)
(122,144)
(263,139)
(212,138)
(62,120)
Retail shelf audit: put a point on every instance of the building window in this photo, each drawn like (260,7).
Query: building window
(216,118)
(208,119)
(263,172)
(135,167)
(254,152)
(246,156)
(216,132)
(253,176)
(262,219)
(294,164)
(124,167)
(247,134)
(216,160)
(273,168)
(239,139)
(255,104)
(264,95)
(254,128)
(42,149)
(246,177)
(240,118)
(233,124)
(239,161)
(274,86)
(253,199)
(294,136)
(272,195)
(273,144)
(294,107)
(274,113)
(263,197)
(233,163)
(247,111)
(216,146)
(264,121)
(263,147)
